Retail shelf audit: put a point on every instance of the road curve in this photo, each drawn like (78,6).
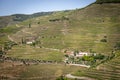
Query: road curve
(81,65)
(76,77)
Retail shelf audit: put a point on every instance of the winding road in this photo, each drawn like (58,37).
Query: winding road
(76,77)
(10,38)
(81,65)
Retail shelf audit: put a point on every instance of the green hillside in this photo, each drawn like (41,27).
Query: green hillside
(84,30)
(15,18)
(4,21)
(94,28)
(22,17)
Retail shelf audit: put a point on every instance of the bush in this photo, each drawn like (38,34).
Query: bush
(103,40)
(29,25)
(64,18)
(61,78)
(117,46)
(1,53)
(87,58)
(8,45)
(99,56)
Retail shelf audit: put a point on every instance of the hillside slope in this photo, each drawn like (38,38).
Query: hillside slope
(15,18)
(4,21)
(85,29)
(95,27)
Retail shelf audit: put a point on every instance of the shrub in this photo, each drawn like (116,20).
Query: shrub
(29,25)
(38,22)
(117,46)
(61,78)
(1,53)
(99,56)
(103,40)
(8,45)
(87,58)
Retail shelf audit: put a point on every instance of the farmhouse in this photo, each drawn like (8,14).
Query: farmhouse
(80,54)
(29,42)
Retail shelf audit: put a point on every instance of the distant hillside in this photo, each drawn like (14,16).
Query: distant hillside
(22,17)
(107,1)
(6,20)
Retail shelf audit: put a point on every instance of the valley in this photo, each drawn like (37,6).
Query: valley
(52,38)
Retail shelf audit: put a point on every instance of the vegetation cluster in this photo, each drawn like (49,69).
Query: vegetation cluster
(107,1)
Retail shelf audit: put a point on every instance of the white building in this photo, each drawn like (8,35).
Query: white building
(80,54)
(29,42)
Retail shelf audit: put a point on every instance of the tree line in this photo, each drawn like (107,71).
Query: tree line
(107,1)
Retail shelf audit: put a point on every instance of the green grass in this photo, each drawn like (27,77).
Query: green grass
(84,30)
(3,39)
(29,52)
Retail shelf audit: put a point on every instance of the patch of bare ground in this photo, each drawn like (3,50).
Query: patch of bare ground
(10,70)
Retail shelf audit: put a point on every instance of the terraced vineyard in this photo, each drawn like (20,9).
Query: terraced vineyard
(82,31)
(29,52)
(95,27)
(107,71)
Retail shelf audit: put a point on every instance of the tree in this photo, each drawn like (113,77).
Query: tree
(38,22)
(64,18)
(61,78)
(29,25)
(76,52)
(87,58)
(8,45)
(33,44)
(103,40)
(1,53)
(117,46)
(66,55)
(23,41)
(99,56)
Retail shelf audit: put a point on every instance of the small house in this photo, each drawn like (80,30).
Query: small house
(80,54)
